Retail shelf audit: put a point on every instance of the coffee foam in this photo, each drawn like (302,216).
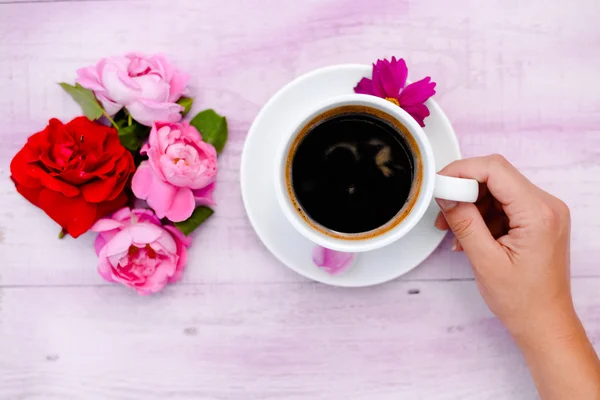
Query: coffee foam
(416,182)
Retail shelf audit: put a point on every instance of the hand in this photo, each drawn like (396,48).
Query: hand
(517,239)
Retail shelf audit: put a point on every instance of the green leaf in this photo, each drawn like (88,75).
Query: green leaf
(186,103)
(212,127)
(199,215)
(85,98)
(132,136)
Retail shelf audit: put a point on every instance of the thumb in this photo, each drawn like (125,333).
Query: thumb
(470,229)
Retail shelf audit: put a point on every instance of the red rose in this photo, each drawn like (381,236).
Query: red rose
(76,172)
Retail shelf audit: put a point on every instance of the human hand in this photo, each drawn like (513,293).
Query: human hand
(517,239)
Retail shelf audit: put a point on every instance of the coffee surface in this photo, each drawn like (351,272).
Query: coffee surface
(352,173)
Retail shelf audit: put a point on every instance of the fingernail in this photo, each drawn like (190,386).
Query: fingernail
(446,205)
(456,245)
(440,222)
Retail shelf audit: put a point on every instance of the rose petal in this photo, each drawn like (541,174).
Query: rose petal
(204,196)
(144,233)
(333,262)
(104,268)
(177,85)
(119,244)
(116,90)
(157,281)
(142,181)
(99,190)
(88,78)
(72,213)
(146,112)
(183,205)
(105,224)
(109,106)
(153,88)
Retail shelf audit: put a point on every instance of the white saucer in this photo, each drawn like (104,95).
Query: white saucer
(291,248)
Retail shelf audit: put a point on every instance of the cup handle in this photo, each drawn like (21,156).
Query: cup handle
(456,189)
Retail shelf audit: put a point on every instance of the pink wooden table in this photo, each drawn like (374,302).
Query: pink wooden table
(515,77)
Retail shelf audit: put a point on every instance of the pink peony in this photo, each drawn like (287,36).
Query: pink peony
(333,262)
(136,250)
(180,171)
(148,87)
(388,82)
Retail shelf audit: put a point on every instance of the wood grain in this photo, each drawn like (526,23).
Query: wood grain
(515,78)
(507,76)
(271,341)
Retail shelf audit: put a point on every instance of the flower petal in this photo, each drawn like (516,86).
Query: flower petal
(377,86)
(119,244)
(104,267)
(142,181)
(417,92)
(144,233)
(109,106)
(333,262)
(99,190)
(158,193)
(204,196)
(183,205)
(178,84)
(146,112)
(390,81)
(105,224)
(400,71)
(365,86)
(157,281)
(74,214)
(418,111)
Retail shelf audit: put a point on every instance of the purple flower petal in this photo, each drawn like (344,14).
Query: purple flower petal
(417,92)
(418,111)
(390,80)
(400,71)
(333,262)
(377,86)
(365,86)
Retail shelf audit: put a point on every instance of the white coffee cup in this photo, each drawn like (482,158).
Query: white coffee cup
(426,183)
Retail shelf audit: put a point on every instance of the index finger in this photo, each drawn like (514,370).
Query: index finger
(503,180)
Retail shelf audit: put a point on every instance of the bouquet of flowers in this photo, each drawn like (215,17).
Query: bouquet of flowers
(130,169)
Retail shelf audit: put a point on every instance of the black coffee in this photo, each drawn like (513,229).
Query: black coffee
(352,173)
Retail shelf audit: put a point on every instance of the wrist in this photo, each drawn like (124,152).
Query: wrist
(549,328)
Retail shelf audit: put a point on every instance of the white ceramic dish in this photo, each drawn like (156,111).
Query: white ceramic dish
(257,176)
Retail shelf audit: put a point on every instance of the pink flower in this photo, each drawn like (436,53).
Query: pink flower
(333,262)
(388,82)
(135,250)
(180,171)
(147,87)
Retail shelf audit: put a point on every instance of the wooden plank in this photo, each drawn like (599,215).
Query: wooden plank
(272,341)
(507,72)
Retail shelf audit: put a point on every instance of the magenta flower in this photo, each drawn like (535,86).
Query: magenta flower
(388,82)
(333,262)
